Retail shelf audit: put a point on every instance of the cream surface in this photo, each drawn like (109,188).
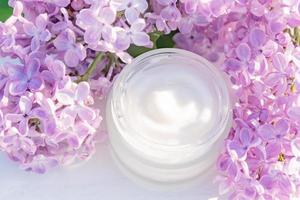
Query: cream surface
(171,104)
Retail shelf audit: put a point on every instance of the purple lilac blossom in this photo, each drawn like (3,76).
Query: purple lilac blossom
(47,117)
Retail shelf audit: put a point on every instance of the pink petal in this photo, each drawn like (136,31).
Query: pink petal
(282,126)
(25,104)
(23,126)
(82,91)
(138,25)
(86,113)
(74,142)
(279,61)
(131,14)
(17,87)
(59,69)
(29,28)
(257,9)
(108,15)
(272,150)
(141,39)
(64,97)
(35,83)
(294,112)
(124,56)
(245,136)
(45,36)
(243,52)
(35,43)
(14,117)
(232,64)
(92,35)
(71,58)
(141,5)
(122,41)
(41,21)
(28,146)
(295,145)
(32,67)
(257,37)
(86,18)
(109,34)
(266,131)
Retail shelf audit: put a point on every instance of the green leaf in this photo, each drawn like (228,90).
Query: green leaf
(159,41)
(5,10)
(166,41)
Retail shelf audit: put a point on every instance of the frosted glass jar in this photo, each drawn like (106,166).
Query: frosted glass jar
(167,115)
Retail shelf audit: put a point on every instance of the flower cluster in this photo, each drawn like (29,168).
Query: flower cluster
(67,52)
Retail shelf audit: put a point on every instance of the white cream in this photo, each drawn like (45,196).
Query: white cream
(167,115)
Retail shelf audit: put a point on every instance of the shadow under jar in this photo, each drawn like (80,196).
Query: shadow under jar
(167,115)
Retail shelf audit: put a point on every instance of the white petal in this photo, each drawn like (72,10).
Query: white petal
(64,97)
(141,39)
(131,14)
(138,25)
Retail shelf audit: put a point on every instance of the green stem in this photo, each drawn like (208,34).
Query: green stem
(91,68)
(297,35)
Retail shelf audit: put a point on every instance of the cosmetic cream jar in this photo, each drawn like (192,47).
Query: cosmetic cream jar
(168,114)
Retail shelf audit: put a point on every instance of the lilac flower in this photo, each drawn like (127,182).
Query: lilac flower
(48,119)
(132,9)
(244,141)
(133,35)
(161,23)
(97,25)
(40,164)
(277,185)
(170,12)
(294,163)
(25,77)
(55,76)
(257,37)
(25,106)
(73,52)
(243,52)
(37,31)
(277,132)
(75,99)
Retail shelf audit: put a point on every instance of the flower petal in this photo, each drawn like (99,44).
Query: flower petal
(245,136)
(141,39)
(82,91)
(279,61)
(71,58)
(257,37)
(17,87)
(64,97)
(23,126)
(282,126)
(29,28)
(243,52)
(138,25)
(266,132)
(86,113)
(35,83)
(131,14)
(108,15)
(41,21)
(32,67)
(25,104)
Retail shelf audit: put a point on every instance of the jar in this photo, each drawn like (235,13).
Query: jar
(167,114)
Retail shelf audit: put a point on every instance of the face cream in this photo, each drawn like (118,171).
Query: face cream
(167,115)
